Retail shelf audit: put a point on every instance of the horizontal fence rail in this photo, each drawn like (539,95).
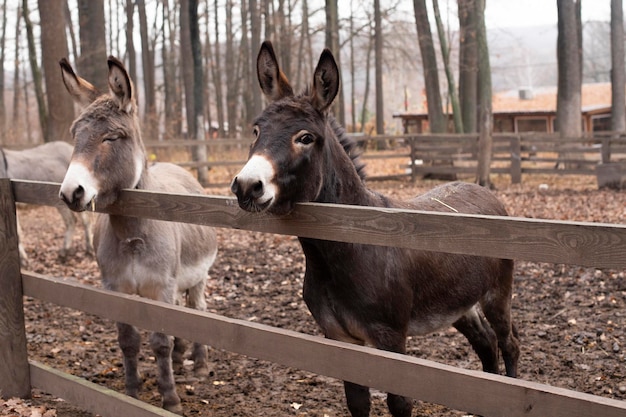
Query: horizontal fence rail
(581,243)
(401,374)
(513,154)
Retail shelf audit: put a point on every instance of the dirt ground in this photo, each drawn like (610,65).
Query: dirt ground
(572,319)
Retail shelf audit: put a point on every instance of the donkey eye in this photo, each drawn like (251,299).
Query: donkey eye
(255,131)
(305,139)
(111,138)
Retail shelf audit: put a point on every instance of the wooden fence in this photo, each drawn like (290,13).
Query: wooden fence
(590,244)
(456,155)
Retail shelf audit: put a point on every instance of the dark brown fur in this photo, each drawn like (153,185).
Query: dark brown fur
(369,294)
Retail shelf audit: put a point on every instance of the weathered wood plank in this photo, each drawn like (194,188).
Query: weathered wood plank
(14,375)
(577,243)
(416,378)
(89,396)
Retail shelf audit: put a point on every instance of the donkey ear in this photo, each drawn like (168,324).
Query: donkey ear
(121,85)
(325,81)
(81,90)
(273,82)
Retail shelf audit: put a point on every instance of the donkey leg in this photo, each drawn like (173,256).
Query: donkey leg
(197,300)
(178,353)
(358,399)
(398,405)
(162,346)
(86,219)
(497,309)
(482,338)
(129,340)
(70,224)
(499,316)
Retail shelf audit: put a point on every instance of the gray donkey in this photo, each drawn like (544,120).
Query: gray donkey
(47,162)
(150,258)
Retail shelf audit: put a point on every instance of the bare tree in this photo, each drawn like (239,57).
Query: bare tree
(445,53)
(199,153)
(232,77)
(436,117)
(569,62)
(147,59)
(468,64)
(618,71)
(169,54)
(93,53)
(70,29)
(217,76)
(2,53)
(378,60)
(485,113)
(36,71)
(53,46)
(332,43)
(17,114)
(368,60)
(255,44)
(130,44)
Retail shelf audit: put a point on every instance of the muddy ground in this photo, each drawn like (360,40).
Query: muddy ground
(572,319)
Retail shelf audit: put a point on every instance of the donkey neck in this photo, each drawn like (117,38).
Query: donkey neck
(342,183)
(126,227)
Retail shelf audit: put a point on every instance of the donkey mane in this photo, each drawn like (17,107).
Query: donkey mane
(349,145)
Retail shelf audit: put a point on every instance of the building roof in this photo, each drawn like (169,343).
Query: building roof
(596,97)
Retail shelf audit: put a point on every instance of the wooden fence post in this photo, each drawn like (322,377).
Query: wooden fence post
(516,160)
(412,140)
(14,368)
(606,150)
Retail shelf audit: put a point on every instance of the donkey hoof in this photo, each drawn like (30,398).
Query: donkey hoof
(173,407)
(202,371)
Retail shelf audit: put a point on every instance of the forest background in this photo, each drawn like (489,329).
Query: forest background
(193,61)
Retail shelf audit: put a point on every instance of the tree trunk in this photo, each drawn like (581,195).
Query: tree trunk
(147,59)
(370,46)
(569,54)
(247,78)
(186,66)
(93,52)
(2,54)
(468,65)
(17,114)
(485,113)
(36,71)
(332,43)
(53,46)
(255,45)
(169,56)
(130,44)
(70,29)
(436,117)
(199,153)
(445,53)
(217,77)
(378,58)
(618,72)
(232,77)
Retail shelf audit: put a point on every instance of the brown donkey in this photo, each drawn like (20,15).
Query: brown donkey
(153,259)
(369,294)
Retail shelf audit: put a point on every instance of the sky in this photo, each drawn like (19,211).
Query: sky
(509,13)
(516,13)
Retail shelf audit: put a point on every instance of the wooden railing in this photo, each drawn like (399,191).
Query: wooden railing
(599,245)
(453,155)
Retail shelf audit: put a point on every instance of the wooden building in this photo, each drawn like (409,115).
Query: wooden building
(532,110)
